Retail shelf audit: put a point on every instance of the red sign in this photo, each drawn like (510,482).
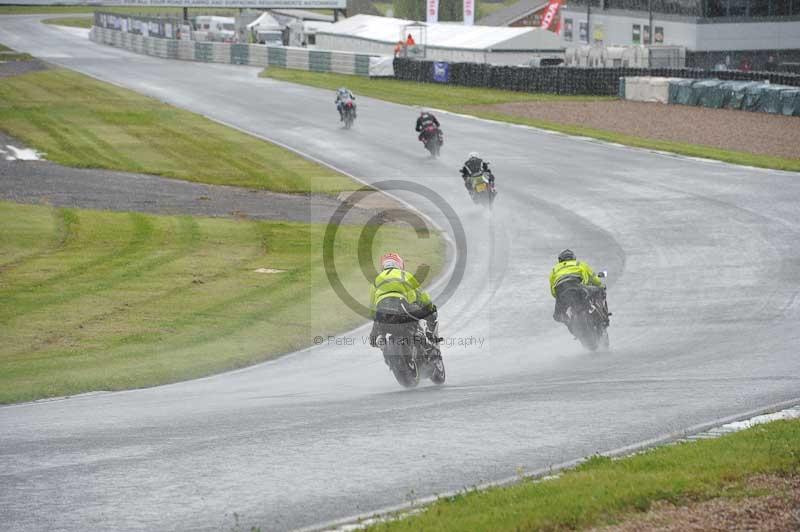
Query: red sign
(550,13)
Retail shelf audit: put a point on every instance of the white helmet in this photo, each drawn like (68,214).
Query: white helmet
(474,155)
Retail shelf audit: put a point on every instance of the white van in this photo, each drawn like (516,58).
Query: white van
(216,28)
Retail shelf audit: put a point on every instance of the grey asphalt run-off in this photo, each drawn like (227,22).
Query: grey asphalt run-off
(703,261)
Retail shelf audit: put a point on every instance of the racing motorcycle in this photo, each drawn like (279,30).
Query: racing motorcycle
(483,189)
(411,352)
(349,112)
(587,314)
(433,138)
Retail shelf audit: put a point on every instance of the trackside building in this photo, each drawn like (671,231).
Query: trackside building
(746,34)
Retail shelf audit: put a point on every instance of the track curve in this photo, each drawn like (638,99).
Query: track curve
(703,259)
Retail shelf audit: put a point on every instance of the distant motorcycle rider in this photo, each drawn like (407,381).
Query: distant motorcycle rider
(342,96)
(424,121)
(396,298)
(571,272)
(473,167)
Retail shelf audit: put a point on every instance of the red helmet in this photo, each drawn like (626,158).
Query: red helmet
(392,260)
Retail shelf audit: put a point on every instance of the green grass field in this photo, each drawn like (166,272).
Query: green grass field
(78,121)
(75,22)
(604,491)
(465,99)
(95,300)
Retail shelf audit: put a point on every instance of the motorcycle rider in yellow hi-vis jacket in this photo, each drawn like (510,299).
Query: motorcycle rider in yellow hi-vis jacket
(570,271)
(396,298)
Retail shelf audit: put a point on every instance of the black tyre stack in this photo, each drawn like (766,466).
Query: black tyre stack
(566,80)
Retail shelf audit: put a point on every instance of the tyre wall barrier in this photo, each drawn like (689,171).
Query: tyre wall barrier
(237,54)
(186,50)
(714,94)
(203,51)
(220,52)
(297,58)
(240,54)
(565,80)
(258,55)
(276,56)
(745,95)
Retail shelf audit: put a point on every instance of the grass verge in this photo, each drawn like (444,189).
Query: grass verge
(78,121)
(107,301)
(7,54)
(10,55)
(604,491)
(74,22)
(466,99)
(408,93)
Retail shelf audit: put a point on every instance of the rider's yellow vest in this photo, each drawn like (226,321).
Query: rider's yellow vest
(573,268)
(394,282)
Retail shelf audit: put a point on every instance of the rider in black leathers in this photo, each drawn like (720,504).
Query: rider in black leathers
(474,166)
(425,120)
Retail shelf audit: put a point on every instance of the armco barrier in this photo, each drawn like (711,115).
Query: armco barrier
(239,54)
(566,80)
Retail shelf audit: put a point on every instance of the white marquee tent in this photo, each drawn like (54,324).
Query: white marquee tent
(452,42)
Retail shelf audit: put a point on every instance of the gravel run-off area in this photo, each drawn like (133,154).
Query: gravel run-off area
(760,133)
(779,511)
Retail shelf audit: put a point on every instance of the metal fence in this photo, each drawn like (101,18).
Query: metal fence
(162,27)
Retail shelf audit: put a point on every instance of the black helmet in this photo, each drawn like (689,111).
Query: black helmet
(567,254)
